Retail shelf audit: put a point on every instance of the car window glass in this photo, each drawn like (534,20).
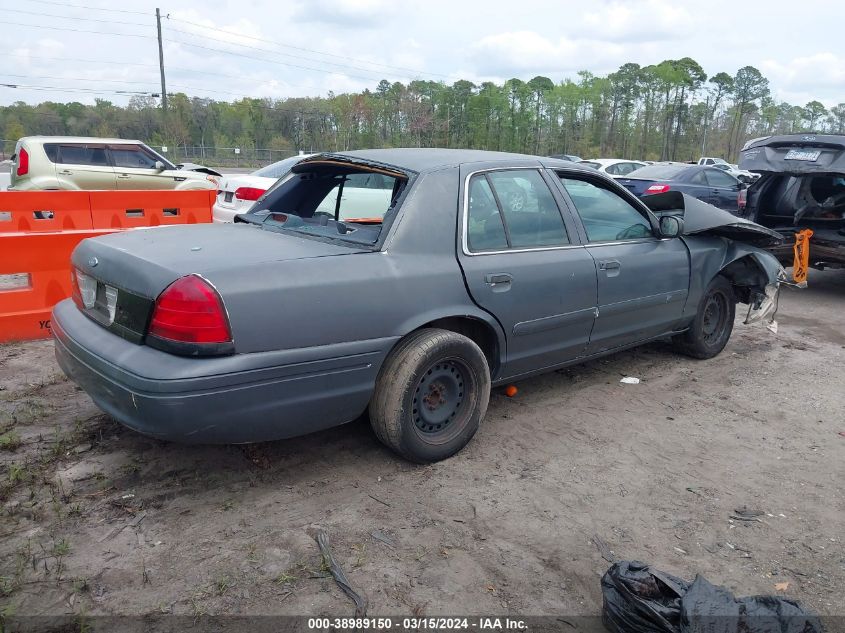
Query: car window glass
(616,170)
(83,155)
(279,169)
(698,178)
(716,178)
(627,168)
(365,196)
(485,230)
(606,215)
(132,157)
(52,151)
(531,215)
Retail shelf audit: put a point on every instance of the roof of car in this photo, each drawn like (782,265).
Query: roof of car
(429,159)
(77,139)
(612,161)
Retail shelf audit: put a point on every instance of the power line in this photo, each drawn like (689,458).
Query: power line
(271,61)
(60,28)
(79,6)
(376,73)
(117,81)
(71,17)
(195,71)
(85,90)
(309,50)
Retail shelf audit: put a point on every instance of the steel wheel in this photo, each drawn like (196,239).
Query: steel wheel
(439,398)
(714,318)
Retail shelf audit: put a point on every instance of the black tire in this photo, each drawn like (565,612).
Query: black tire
(711,329)
(431,395)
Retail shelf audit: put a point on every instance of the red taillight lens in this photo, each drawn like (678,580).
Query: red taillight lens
(742,199)
(190,311)
(23,162)
(249,193)
(657,189)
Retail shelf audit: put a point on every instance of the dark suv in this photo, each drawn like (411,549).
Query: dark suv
(802,187)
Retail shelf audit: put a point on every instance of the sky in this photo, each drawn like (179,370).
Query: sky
(80,50)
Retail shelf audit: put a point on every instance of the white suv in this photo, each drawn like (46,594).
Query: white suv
(71,162)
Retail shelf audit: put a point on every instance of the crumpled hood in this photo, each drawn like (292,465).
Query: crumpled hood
(702,218)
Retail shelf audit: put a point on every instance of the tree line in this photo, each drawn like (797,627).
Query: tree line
(668,111)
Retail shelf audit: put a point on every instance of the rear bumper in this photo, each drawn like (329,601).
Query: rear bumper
(236,399)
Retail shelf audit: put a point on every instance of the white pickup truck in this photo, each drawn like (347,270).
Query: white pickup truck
(733,170)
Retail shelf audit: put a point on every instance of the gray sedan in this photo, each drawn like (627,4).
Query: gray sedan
(294,319)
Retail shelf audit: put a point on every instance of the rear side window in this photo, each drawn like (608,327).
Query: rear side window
(132,156)
(516,206)
(92,155)
(52,151)
(716,178)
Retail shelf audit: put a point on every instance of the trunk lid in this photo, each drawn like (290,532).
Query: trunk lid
(795,154)
(146,261)
(123,273)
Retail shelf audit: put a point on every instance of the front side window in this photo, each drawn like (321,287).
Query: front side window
(607,217)
(132,156)
(83,155)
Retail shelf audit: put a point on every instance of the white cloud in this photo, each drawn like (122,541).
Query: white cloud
(651,20)
(350,13)
(822,75)
(521,52)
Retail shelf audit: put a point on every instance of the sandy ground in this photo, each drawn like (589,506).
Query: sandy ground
(100,520)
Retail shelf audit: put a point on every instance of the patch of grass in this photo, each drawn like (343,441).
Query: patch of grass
(285,578)
(223,584)
(61,548)
(10,441)
(227,505)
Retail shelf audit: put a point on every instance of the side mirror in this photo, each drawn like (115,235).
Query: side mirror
(159,166)
(671,226)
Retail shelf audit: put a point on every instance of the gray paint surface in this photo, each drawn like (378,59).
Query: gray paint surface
(313,319)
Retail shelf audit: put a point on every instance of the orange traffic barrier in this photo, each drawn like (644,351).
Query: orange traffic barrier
(44,211)
(34,276)
(801,255)
(40,229)
(132,209)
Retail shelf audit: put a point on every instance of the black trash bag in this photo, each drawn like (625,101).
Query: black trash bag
(638,599)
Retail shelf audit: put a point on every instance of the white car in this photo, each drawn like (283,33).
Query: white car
(363,197)
(236,193)
(614,167)
(736,172)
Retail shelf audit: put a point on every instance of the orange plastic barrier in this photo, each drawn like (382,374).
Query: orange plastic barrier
(34,276)
(801,255)
(44,211)
(40,229)
(132,209)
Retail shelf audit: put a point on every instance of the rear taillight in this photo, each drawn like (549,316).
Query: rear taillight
(742,199)
(657,189)
(249,193)
(23,163)
(189,318)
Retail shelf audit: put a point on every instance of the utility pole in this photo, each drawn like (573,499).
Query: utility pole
(161,69)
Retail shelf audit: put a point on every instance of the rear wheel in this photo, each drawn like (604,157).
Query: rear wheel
(711,329)
(431,395)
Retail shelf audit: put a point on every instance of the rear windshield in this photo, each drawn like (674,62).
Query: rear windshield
(278,169)
(662,172)
(332,200)
(588,163)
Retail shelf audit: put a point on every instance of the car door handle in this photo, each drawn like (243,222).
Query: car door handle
(124,176)
(610,264)
(66,172)
(495,279)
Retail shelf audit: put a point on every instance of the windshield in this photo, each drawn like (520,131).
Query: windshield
(278,169)
(658,172)
(330,199)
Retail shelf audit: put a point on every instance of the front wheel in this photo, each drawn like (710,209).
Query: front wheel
(431,395)
(711,329)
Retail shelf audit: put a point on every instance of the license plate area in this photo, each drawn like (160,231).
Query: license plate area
(227,197)
(802,154)
(105,304)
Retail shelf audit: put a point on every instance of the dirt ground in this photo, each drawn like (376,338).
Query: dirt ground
(97,519)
